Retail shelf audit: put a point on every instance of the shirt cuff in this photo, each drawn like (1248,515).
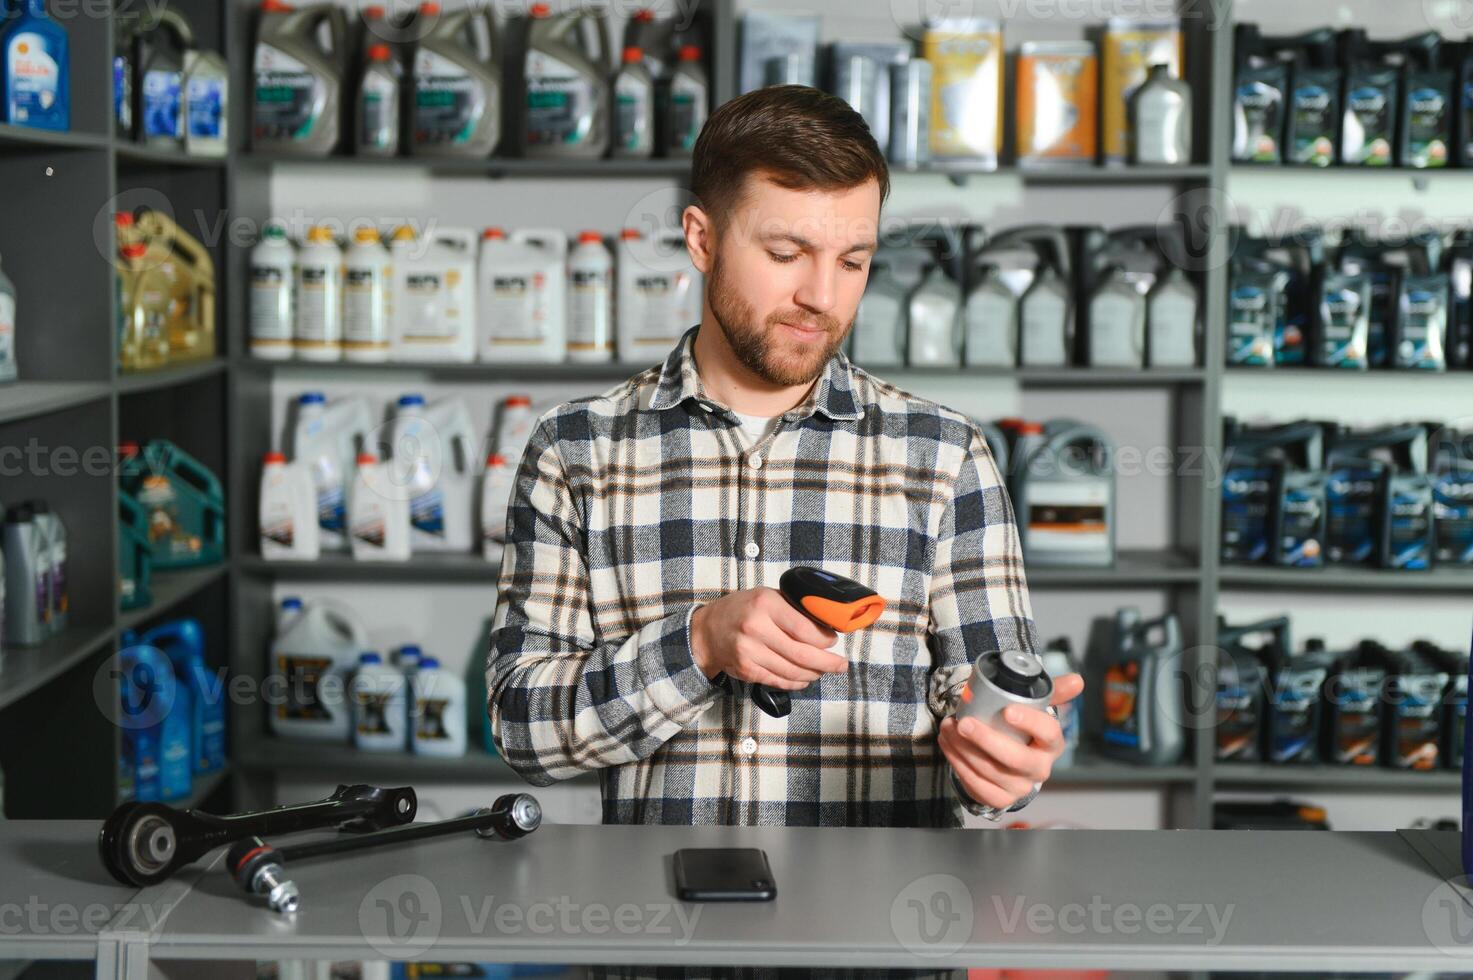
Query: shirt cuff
(982,809)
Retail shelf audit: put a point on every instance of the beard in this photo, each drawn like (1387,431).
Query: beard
(764,348)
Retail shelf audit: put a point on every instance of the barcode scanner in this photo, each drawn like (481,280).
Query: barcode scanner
(840,603)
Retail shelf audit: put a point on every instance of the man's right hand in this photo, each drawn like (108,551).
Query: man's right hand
(756,635)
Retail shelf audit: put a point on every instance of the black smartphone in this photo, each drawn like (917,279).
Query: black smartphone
(723,874)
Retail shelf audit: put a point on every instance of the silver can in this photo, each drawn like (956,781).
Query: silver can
(1002,679)
(855,80)
(910,113)
(788,69)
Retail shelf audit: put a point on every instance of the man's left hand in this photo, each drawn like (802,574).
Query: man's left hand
(997,770)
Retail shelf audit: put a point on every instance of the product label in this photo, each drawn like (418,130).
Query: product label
(1294,718)
(560,103)
(162,109)
(1414,715)
(1256,107)
(427,513)
(123,94)
(289,97)
(7,335)
(308,696)
(1352,508)
(1115,335)
(448,101)
(369,528)
(317,312)
(1122,726)
(966,92)
(363,308)
(1057,95)
(1301,526)
(1126,58)
(372,710)
(32,79)
(270,304)
(1068,518)
(517,307)
(1344,324)
(433,316)
(430,721)
(1452,494)
(378,112)
(589,310)
(1250,326)
(1423,326)
(1369,122)
(632,117)
(1042,317)
(1313,120)
(1246,496)
(1171,321)
(205,97)
(687,112)
(1410,503)
(1354,698)
(1428,125)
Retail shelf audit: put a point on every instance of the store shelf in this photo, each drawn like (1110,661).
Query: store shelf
(28,399)
(963,171)
(136,154)
(1276,170)
(1367,779)
(170,588)
(19,139)
(489,167)
(1145,567)
(1388,376)
(420,568)
(343,762)
(1450,580)
(1091,770)
(169,377)
(24,669)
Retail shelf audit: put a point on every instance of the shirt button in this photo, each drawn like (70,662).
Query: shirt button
(755,461)
(749,746)
(752,551)
(708,406)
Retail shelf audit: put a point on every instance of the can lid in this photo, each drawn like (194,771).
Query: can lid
(493,234)
(123,219)
(378,52)
(134,250)
(367,459)
(518,401)
(428,663)
(644,16)
(311,398)
(430,9)
(585,237)
(373,12)
(689,52)
(319,234)
(411,399)
(291,602)
(127,449)
(539,10)
(495,459)
(630,234)
(366,236)
(1016,672)
(277,6)
(633,54)
(370,657)
(274,457)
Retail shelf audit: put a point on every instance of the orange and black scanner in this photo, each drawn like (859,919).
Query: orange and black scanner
(839,603)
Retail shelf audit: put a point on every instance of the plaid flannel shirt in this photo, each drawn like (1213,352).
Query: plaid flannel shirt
(634,507)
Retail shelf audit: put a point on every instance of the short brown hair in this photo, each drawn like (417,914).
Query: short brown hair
(796,136)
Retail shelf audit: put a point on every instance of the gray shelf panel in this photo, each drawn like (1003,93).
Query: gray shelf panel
(1093,770)
(962,171)
(169,377)
(1144,567)
(21,139)
(420,568)
(1298,375)
(136,154)
(619,371)
(25,669)
(27,399)
(1227,775)
(1451,580)
(170,588)
(268,754)
(488,167)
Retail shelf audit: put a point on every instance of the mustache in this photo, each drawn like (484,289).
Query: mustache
(807,321)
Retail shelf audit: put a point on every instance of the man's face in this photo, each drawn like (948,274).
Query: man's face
(787,273)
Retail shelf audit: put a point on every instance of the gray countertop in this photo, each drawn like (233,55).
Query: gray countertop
(1307,901)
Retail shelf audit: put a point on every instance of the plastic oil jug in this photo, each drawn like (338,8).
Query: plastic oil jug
(1140,663)
(367,302)
(496,489)
(1273,496)
(8,370)
(1412,736)
(185,506)
(1453,663)
(933,322)
(326,441)
(54,539)
(1045,322)
(457,85)
(1058,660)
(379,705)
(183,642)
(287,612)
(273,303)
(1260,95)
(877,338)
(1353,699)
(522,296)
(688,103)
(1372,96)
(27,589)
(434,295)
(439,721)
(1292,724)
(1452,496)
(1063,488)
(1243,686)
(634,107)
(288,517)
(566,71)
(206,104)
(1160,112)
(378,513)
(515,423)
(319,298)
(191,274)
(299,91)
(135,554)
(379,112)
(991,317)
(432,447)
(155,734)
(37,70)
(312,658)
(1381,498)
(147,304)
(590,301)
(1418,339)
(125,30)
(160,45)
(659,295)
